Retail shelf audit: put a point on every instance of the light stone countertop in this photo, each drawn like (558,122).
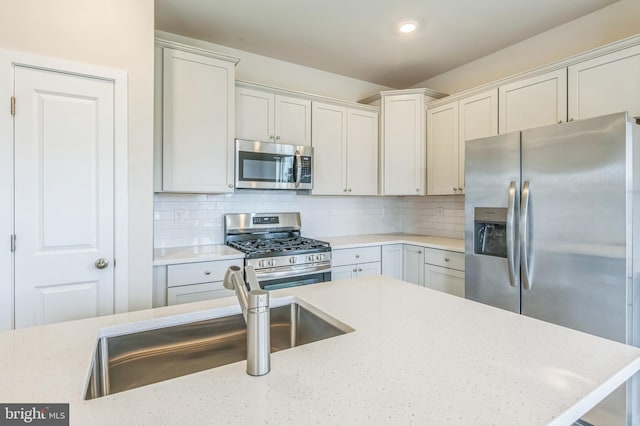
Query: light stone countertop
(175,255)
(417,356)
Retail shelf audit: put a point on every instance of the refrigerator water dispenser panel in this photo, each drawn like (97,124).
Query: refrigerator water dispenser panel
(490,231)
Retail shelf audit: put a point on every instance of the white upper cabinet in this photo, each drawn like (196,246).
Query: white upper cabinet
(197,122)
(442,149)
(403,144)
(362,152)
(533,102)
(449,126)
(345,144)
(268,117)
(605,85)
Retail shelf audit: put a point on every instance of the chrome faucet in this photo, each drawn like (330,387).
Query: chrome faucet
(255,309)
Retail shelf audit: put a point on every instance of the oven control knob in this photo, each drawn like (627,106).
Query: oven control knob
(319,257)
(262,263)
(311,258)
(293,259)
(272,262)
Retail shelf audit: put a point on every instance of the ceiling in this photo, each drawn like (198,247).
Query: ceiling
(360,38)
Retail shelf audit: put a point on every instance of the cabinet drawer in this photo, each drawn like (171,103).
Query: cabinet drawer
(196,292)
(444,258)
(199,272)
(445,280)
(355,255)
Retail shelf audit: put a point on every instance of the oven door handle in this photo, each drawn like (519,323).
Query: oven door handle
(283,273)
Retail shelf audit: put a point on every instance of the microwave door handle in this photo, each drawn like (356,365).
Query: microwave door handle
(298,169)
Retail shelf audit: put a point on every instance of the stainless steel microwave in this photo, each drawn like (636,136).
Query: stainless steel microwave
(268,165)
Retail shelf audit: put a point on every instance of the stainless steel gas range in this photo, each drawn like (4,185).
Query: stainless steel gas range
(272,244)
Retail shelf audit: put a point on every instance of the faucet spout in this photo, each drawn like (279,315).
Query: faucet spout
(254,303)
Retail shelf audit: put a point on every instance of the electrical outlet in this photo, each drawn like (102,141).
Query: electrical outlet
(178,216)
(440,211)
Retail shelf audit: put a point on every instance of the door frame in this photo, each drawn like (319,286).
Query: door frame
(8,61)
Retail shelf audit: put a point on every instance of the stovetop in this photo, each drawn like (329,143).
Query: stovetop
(265,247)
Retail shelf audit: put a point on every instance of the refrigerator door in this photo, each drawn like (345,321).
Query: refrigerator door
(574,243)
(492,179)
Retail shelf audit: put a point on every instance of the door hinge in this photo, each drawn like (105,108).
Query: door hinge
(13,105)
(13,242)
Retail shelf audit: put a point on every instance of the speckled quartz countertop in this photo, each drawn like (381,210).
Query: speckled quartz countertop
(416,356)
(174,255)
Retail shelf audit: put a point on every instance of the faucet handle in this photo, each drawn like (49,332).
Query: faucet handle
(252,279)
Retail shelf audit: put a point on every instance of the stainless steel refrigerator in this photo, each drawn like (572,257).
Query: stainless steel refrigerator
(552,223)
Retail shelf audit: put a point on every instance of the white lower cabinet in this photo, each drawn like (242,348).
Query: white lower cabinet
(444,271)
(355,262)
(413,264)
(191,282)
(392,261)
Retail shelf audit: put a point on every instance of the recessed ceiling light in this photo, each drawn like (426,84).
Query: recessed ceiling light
(408,27)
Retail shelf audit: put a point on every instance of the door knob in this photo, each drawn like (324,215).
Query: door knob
(102,263)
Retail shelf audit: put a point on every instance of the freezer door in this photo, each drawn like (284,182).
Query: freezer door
(575,251)
(492,179)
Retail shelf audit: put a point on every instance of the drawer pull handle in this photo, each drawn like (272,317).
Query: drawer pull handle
(207,272)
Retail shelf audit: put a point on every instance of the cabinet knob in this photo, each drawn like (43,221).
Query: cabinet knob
(277,138)
(417,189)
(344,190)
(446,259)
(455,189)
(349,189)
(359,269)
(230,185)
(357,256)
(419,251)
(355,270)
(559,121)
(207,272)
(460,189)
(571,119)
(272,137)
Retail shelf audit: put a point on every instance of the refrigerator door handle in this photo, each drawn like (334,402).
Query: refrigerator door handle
(513,254)
(524,234)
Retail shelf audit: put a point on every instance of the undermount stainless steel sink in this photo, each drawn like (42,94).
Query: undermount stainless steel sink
(128,361)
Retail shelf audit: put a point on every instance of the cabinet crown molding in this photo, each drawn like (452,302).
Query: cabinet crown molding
(542,69)
(421,91)
(304,95)
(197,50)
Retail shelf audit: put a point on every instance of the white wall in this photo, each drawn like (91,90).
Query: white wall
(612,23)
(115,34)
(286,75)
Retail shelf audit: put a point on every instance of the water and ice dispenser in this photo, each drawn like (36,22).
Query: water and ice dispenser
(490,227)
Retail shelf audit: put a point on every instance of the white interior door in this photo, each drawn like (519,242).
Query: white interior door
(64,190)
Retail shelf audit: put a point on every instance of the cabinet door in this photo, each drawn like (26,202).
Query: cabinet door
(329,149)
(443,279)
(605,85)
(533,102)
(197,125)
(255,115)
(362,152)
(413,264)
(368,269)
(442,150)
(392,261)
(343,272)
(477,118)
(196,292)
(292,120)
(404,145)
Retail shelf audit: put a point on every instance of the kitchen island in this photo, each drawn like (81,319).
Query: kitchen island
(416,356)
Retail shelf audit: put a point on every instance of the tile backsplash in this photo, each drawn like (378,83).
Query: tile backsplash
(197,219)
